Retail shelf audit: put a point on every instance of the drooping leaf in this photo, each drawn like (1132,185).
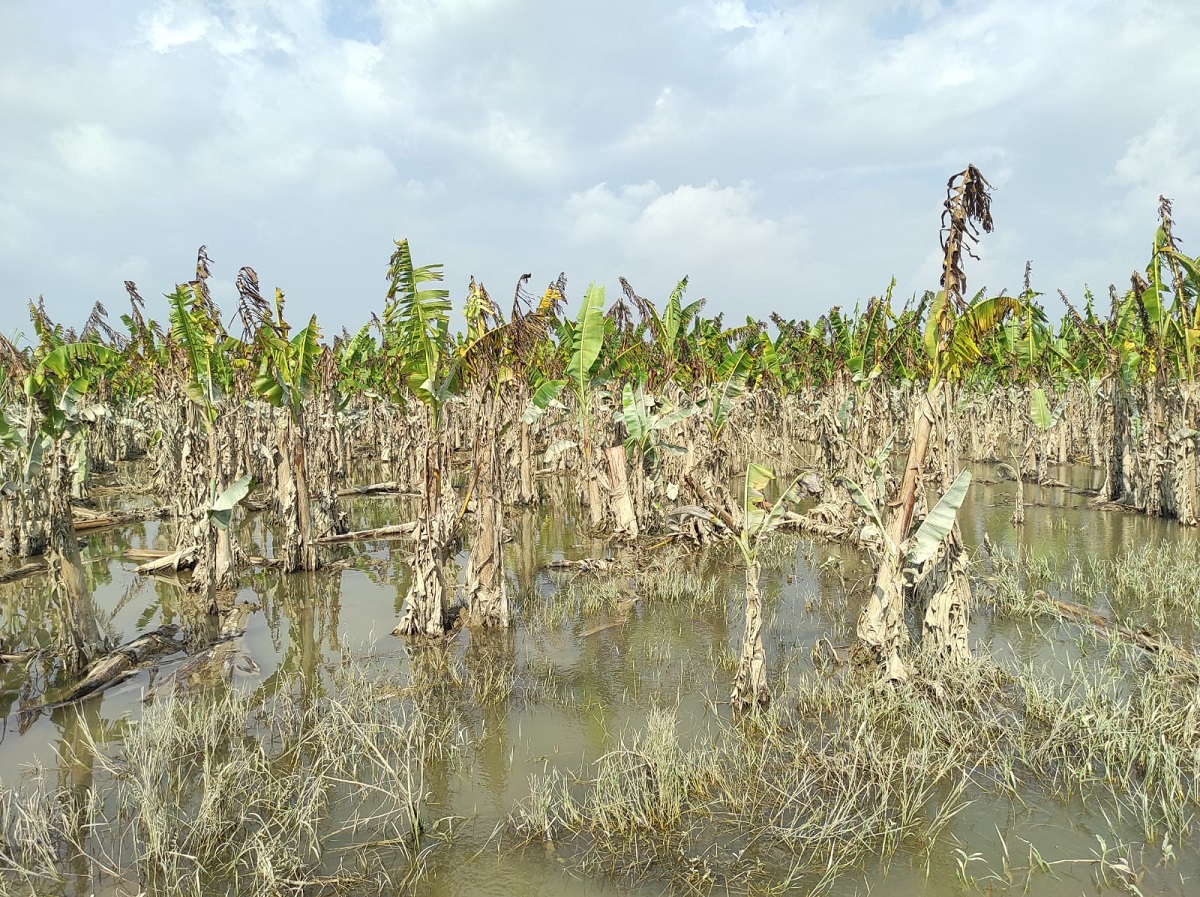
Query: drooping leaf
(757,480)
(34,461)
(188,331)
(221,510)
(546,392)
(416,324)
(868,507)
(305,352)
(556,448)
(724,399)
(940,520)
(634,414)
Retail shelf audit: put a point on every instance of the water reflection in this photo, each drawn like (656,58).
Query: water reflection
(587,659)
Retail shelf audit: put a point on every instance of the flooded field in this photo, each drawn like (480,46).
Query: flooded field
(590,748)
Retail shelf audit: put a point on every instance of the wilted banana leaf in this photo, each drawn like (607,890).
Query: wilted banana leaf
(868,507)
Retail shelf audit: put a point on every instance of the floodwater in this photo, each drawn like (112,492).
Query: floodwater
(584,667)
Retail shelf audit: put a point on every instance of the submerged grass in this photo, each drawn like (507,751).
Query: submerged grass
(1155,585)
(219,793)
(849,771)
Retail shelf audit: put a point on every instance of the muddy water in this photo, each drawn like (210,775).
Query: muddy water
(584,667)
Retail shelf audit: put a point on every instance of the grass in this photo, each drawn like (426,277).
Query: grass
(218,793)
(842,771)
(1155,585)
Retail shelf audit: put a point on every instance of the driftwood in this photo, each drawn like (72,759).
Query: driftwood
(215,664)
(391,487)
(583,565)
(624,607)
(173,561)
(395,531)
(1077,613)
(18,656)
(123,662)
(143,554)
(86,521)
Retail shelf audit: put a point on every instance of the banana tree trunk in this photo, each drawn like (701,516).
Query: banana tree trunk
(622,502)
(595,508)
(946,615)
(300,551)
(424,611)
(750,684)
(487,592)
(528,494)
(881,624)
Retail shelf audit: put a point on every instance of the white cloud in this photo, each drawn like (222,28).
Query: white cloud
(91,151)
(171,27)
(782,153)
(1164,157)
(713,233)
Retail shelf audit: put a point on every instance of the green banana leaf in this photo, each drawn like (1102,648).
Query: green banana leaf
(939,521)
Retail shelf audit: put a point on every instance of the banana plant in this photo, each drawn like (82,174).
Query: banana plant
(286,379)
(416,345)
(416,331)
(204,371)
(670,332)
(902,566)
(759,517)
(496,360)
(645,426)
(583,374)
(954,332)
(724,395)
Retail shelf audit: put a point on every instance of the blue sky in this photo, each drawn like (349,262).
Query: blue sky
(786,156)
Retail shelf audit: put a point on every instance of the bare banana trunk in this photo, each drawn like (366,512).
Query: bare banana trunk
(487,592)
(947,614)
(425,605)
(528,495)
(750,685)
(627,523)
(881,624)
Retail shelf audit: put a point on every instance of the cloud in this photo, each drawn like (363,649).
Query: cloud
(713,233)
(1165,157)
(783,153)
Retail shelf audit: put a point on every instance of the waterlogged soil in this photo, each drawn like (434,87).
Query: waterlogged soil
(590,655)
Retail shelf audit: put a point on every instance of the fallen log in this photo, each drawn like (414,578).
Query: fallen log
(86,521)
(18,656)
(121,663)
(216,664)
(1077,613)
(143,554)
(583,565)
(395,531)
(175,561)
(391,487)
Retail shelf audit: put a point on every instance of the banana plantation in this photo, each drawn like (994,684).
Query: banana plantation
(603,595)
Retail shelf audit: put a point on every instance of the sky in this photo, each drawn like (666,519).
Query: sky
(786,156)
